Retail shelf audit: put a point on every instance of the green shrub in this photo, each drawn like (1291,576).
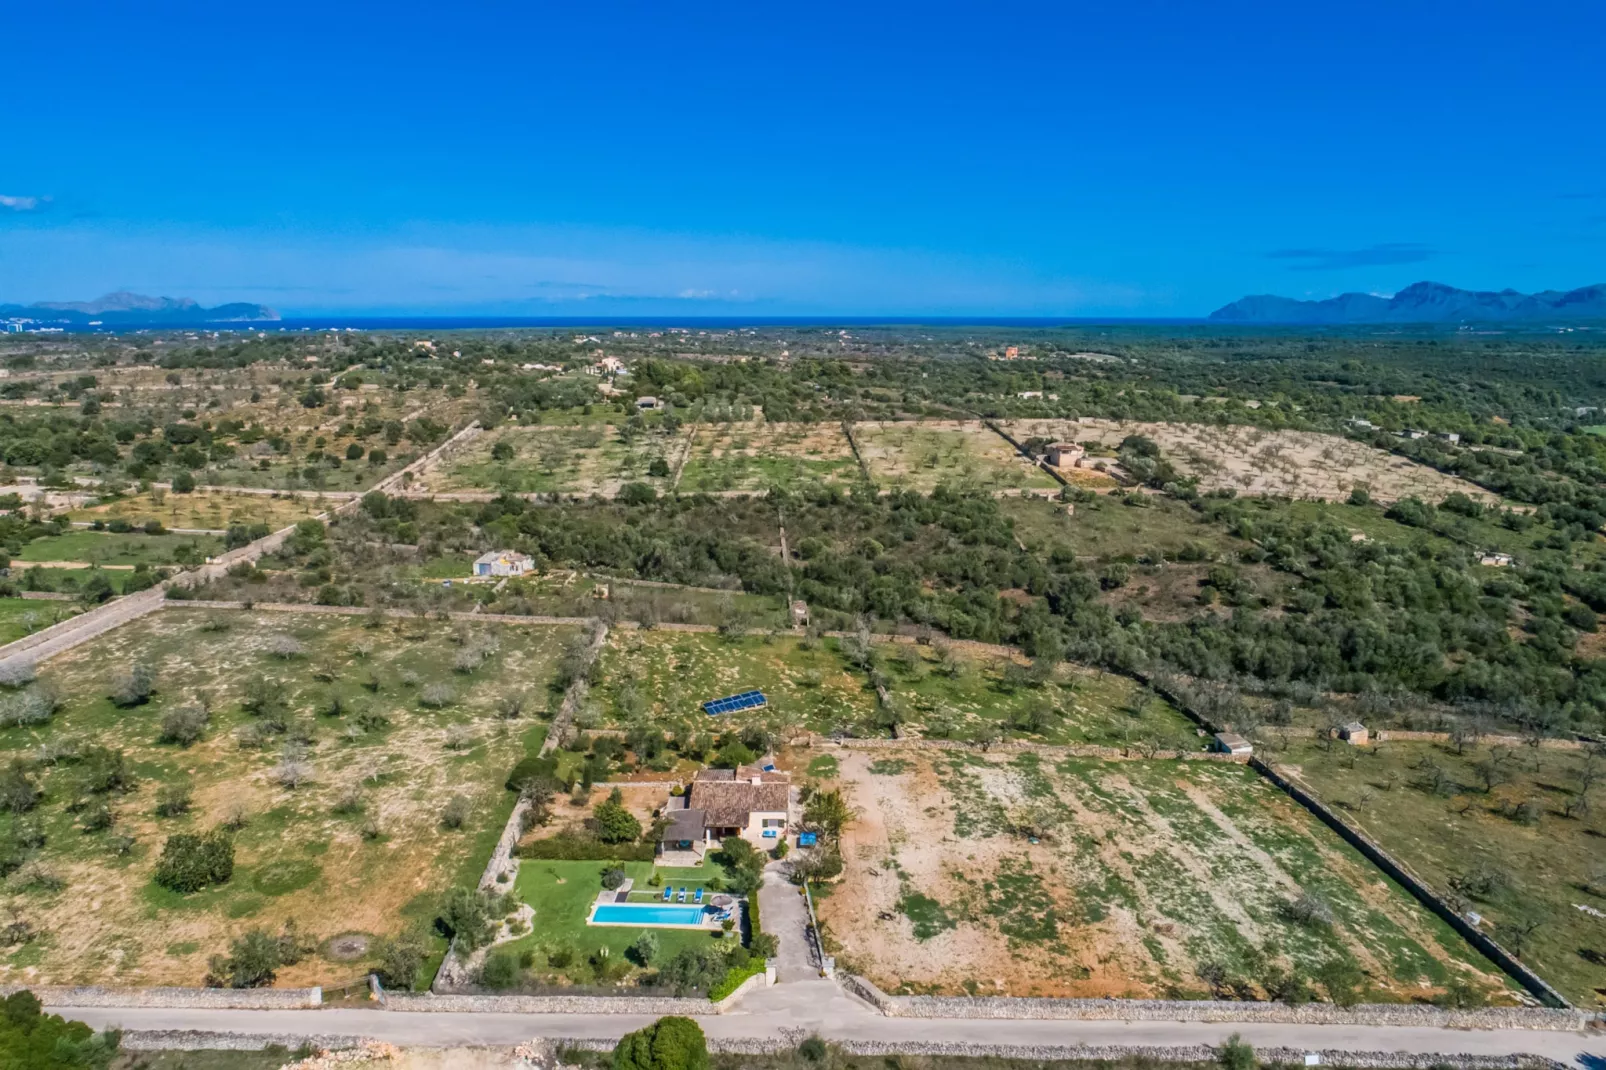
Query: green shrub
(501,970)
(471,916)
(189,862)
(672,1043)
(33,1040)
(531,768)
(615,824)
(734,977)
(571,848)
(1236,1054)
(399,960)
(644,948)
(252,962)
(133,686)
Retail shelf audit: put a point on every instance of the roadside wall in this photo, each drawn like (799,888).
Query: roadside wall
(444,1002)
(1198,1053)
(1144,1010)
(213,1040)
(208,1040)
(256,999)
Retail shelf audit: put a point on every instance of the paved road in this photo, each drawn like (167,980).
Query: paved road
(791,1010)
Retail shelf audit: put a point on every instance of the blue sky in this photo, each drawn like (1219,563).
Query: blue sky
(1134,159)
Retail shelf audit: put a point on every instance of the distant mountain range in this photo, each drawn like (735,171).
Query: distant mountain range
(1423,302)
(124,309)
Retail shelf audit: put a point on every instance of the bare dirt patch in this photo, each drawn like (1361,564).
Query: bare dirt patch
(1121,879)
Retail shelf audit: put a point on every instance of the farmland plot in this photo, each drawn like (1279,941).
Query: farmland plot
(1510,831)
(665,676)
(1118,878)
(1252,460)
(335,789)
(565,460)
(920,455)
(755,457)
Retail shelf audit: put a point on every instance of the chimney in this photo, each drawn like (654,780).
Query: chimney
(757,778)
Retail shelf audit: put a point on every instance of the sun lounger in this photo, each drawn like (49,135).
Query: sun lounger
(699,898)
(668,894)
(681,898)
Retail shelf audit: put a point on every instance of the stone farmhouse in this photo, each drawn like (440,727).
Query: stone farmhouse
(752,803)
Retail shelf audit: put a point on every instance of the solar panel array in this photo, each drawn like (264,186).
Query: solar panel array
(747,700)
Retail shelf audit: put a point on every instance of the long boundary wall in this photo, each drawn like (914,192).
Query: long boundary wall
(251,999)
(542,1049)
(1155,1010)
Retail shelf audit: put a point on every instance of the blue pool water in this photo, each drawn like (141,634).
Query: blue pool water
(647,914)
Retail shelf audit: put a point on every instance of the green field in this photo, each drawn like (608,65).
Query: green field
(105,548)
(920,455)
(666,676)
(354,842)
(756,457)
(1108,528)
(1470,837)
(24,616)
(956,695)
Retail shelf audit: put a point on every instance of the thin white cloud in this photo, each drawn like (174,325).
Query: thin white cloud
(19,204)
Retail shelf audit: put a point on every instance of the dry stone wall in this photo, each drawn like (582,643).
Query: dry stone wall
(256,999)
(1145,1010)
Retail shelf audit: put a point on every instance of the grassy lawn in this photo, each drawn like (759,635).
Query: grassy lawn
(105,548)
(24,616)
(666,676)
(358,846)
(214,510)
(1124,878)
(562,894)
(1447,828)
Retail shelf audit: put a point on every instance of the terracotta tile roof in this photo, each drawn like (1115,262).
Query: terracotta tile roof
(729,803)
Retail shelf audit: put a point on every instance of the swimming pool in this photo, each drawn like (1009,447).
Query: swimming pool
(647,914)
